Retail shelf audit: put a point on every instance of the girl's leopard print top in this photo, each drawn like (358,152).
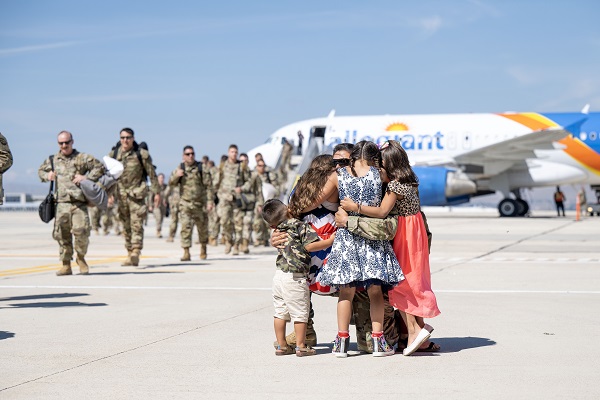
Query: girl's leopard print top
(410,204)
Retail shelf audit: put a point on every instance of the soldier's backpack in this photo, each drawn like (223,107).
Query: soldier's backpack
(136,148)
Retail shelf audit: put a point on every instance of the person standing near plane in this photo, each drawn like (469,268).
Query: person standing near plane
(300,142)
(132,191)
(6,161)
(159,207)
(196,198)
(559,199)
(234,179)
(252,210)
(67,169)
(269,181)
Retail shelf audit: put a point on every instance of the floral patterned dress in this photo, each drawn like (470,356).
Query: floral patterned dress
(354,260)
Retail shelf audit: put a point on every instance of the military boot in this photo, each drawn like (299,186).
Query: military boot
(135,257)
(311,334)
(65,270)
(203,251)
(127,262)
(212,241)
(158,234)
(170,239)
(227,247)
(186,254)
(84,268)
(236,250)
(244,247)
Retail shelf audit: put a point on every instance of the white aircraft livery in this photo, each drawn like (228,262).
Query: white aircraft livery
(460,156)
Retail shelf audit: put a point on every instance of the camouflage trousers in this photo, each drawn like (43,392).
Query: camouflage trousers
(72,220)
(159,216)
(95,215)
(110,218)
(262,232)
(213,223)
(392,321)
(132,213)
(174,219)
(232,221)
(249,217)
(192,214)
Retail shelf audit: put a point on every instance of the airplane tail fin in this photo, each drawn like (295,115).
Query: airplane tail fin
(586,109)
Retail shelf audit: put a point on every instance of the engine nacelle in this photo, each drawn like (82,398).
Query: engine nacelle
(441,186)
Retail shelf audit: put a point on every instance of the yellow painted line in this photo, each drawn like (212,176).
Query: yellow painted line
(51,267)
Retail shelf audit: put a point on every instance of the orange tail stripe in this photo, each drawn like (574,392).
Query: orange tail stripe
(582,153)
(535,122)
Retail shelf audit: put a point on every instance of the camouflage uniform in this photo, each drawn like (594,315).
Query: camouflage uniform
(196,193)
(173,199)
(6,161)
(259,226)
(232,175)
(213,215)
(95,215)
(251,214)
(110,218)
(160,211)
(72,219)
(132,191)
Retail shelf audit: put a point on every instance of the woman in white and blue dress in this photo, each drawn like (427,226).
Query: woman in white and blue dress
(357,263)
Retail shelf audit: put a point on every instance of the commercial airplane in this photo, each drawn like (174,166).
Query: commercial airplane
(460,156)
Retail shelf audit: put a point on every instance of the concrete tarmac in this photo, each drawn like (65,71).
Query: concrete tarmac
(518,299)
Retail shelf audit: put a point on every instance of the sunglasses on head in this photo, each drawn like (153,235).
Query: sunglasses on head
(342,162)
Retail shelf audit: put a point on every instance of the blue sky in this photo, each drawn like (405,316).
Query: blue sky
(214,73)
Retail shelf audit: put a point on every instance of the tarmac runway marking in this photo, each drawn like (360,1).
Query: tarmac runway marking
(230,288)
(49,267)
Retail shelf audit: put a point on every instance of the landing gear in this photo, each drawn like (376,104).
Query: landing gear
(513,208)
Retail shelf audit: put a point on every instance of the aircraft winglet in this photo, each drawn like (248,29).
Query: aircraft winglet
(586,109)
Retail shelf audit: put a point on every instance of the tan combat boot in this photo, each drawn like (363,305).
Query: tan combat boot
(170,239)
(127,262)
(158,234)
(227,247)
(244,247)
(135,257)
(236,250)
(186,254)
(311,334)
(65,270)
(203,251)
(212,241)
(84,268)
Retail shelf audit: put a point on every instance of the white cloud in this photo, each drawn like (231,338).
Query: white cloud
(41,47)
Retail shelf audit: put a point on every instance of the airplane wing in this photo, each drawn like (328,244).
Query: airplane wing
(503,155)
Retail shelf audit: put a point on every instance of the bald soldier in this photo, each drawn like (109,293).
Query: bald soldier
(68,168)
(6,161)
(132,190)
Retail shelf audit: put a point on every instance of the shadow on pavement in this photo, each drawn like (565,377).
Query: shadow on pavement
(456,344)
(6,335)
(43,296)
(55,305)
(136,272)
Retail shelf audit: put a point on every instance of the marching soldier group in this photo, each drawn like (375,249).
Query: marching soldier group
(226,199)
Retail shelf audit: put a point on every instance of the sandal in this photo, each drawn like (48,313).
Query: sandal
(305,351)
(284,351)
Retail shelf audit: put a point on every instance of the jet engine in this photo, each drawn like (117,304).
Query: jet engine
(442,186)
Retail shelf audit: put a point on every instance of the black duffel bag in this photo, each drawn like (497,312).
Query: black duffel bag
(47,209)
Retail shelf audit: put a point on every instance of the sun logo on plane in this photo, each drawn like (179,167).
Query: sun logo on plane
(397,126)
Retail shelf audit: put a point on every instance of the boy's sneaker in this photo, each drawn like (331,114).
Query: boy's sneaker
(340,346)
(284,351)
(381,348)
(305,351)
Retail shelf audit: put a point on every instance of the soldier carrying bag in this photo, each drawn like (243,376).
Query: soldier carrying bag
(47,209)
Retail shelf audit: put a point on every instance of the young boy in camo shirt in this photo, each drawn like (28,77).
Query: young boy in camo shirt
(291,296)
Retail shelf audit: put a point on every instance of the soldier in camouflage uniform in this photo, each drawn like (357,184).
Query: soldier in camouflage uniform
(132,191)
(6,161)
(213,216)
(251,212)
(173,197)
(195,186)
(159,207)
(234,179)
(259,226)
(72,219)
(95,216)
(110,217)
